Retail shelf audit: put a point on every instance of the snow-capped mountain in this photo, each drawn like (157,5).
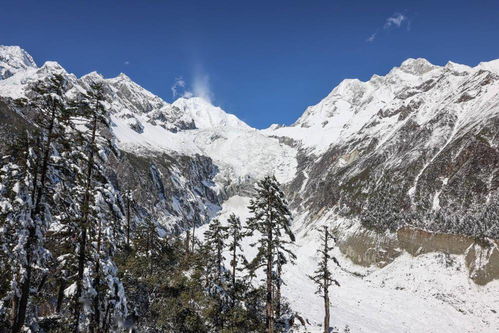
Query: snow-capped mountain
(207,116)
(13,59)
(404,165)
(429,129)
(355,109)
(190,131)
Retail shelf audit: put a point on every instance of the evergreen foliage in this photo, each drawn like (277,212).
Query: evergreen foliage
(322,276)
(271,220)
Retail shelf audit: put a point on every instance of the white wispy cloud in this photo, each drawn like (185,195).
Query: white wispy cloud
(126,62)
(200,86)
(178,85)
(397,20)
(371,38)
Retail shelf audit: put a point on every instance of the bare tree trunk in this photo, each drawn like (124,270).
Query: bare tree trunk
(219,265)
(233,263)
(96,319)
(187,242)
(14,305)
(326,311)
(25,289)
(325,286)
(79,280)
(278,289)
(193,243)
(269,306)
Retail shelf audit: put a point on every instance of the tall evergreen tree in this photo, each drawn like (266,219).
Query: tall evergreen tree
(235,234)
(322,277)
(100,223)
(271,219)
(214,245)
(213,248)
(22,233)
(48,105)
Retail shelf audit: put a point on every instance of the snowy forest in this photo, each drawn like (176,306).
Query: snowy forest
(75,258)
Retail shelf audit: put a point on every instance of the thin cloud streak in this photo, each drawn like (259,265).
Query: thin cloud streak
(396,21)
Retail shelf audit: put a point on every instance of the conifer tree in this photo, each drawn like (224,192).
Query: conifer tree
(48,104)
(100,225)
(322,277)
(213,248)
(148,243)
(214,245)
(23,255)
(235,234)
(271,218)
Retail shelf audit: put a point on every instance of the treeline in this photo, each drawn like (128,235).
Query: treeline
(75,257)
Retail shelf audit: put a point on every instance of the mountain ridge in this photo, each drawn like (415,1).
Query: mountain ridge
(403,122)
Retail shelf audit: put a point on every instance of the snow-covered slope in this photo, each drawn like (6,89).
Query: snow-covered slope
(242,153)
(430,293)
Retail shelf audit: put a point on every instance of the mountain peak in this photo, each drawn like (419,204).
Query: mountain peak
(123,77)
(492,66)
(417,66)
(206,115)
(14,59)
(92,76)
(457,67)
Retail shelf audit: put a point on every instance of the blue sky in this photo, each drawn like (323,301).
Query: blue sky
(264,61)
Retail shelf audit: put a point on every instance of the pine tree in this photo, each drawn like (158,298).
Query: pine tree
(235,234)
(214,245)
(213,248)
(100,220)
(39,168)
(322,276)
(148,243)
(24,256)
(271,218)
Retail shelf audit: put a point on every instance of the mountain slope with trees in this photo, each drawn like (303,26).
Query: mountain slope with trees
(114,202)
